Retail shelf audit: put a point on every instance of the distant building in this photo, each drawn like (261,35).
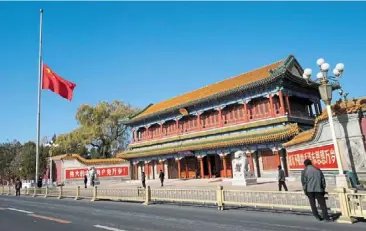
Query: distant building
(196,133)
(71,169)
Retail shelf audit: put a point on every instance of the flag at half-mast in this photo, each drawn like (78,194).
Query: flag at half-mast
(57,84)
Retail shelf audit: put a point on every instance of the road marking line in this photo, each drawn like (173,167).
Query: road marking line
(19,210)
(50,219)
(108,228)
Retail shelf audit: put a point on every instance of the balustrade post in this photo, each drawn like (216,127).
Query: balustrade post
(199,121)
(46,193)
(2,190)
(345,207)
(220,197)
(95,193)
(245,112)
(221,122)
(60,193)
(34,192)
(271,106)
(26,191)
(147,195)
(9,190)
(77,193)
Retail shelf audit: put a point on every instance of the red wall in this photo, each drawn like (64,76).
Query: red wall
(58,171)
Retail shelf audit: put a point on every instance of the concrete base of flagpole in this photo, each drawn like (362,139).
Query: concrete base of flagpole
(342,181)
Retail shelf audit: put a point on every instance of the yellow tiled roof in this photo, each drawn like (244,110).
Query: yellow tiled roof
(340,108)
(254,137)
(88,161)
(210,90)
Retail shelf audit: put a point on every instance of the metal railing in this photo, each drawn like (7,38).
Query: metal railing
(356,204)
(351,204)
(273,200)
(184,195)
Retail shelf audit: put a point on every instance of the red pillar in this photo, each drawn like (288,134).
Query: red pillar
(186,168)
(245,112)
(271,106)
(209,167)
(288,104)
(224,166)
(201,168)
(282,105)
(136,171)
(178,161)
(161,130)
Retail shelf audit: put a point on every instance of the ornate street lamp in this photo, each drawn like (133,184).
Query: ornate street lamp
(327,85)
(51,144)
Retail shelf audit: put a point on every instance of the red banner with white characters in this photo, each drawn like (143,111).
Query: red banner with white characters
(323,157)
(118,171)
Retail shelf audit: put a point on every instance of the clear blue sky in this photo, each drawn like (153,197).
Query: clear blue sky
(147,52)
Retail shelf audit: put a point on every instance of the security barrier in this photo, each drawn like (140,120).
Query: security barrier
(350,203)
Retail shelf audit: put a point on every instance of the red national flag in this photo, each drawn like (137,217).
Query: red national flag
(56,83)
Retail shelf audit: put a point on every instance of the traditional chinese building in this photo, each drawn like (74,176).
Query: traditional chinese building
(196,133)
(71,168)
(316,144)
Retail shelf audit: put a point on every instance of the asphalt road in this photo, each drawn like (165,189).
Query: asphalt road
(50,214)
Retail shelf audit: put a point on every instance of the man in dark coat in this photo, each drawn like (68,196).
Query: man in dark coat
(85,181)
(39,182)
(143,179)
(313,183)
(281,179)
(18,186)
(161,177)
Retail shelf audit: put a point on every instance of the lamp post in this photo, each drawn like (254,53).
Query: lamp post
(327,85)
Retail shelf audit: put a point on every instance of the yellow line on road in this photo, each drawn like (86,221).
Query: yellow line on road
(50,219)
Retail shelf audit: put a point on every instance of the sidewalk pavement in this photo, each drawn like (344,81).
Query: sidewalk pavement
(293,186)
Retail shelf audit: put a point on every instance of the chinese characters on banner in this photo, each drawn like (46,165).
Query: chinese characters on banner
(322,157)
(101,172)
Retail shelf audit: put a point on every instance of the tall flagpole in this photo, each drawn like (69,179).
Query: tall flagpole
(39,94)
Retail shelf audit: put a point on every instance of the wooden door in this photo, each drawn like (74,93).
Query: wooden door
(270,162)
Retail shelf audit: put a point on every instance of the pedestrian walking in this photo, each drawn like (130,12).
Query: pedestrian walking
(85,181)
(18,186)
(197,173)
(161,177)
(313,183)
(143,179)
(281,179)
